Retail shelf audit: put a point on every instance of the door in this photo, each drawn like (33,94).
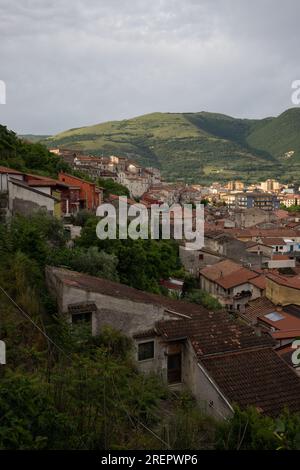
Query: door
(174,368)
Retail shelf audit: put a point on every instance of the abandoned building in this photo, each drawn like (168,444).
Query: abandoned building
(219,360)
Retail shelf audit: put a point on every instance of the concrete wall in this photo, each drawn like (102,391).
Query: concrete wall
(203,387)
(282,295)
(123,314)
(24,201)
(251,217)
(132,317)
(281,263)
(4,178)
(194,260)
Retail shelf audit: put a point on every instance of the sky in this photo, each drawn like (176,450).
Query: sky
(70,63)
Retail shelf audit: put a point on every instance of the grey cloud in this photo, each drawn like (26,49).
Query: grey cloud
(71,63)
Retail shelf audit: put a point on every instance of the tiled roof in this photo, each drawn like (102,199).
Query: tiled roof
(286,323)
(228,274)
(256,378)
(212,333)
(273,241)
(293,282)
(259,281)
(280,257)
(287,334)
(242,364)
(236,278)
(257,307)
(10,171)
(222,268)
(121,291)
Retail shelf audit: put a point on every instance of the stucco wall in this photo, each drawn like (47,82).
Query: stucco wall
(24,201)
(201,387)
(282,295)
(123,314)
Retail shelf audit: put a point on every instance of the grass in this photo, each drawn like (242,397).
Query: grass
(188,145)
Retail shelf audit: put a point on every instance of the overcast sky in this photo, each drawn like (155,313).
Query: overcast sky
(69,63)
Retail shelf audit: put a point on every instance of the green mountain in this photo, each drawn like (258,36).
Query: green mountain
(197,146)
(33,138)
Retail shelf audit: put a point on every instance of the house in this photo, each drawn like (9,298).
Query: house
(194,260)
(90,195)
(69,196)
(221,361)
(24,200)
(261,200)
(282,323)
(226,245)
(17,197)
(281,261)
(281,245)
(250,217)
(283,290)
(174,286)
(232,284)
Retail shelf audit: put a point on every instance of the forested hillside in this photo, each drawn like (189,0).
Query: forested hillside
(198,147)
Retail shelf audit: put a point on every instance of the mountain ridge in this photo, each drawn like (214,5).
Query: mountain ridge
(200,146)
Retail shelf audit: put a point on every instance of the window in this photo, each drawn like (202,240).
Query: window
(146,351)
(82,317)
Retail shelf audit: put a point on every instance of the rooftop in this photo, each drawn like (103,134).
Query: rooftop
(256,378)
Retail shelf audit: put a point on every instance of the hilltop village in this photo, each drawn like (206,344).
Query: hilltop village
(249,266)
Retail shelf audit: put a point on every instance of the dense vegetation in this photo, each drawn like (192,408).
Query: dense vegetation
(25,156)
(112,187)
(68,390)
(62,388)
(198,147)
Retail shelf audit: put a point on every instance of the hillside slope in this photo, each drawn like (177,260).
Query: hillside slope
(197,146)
(25,156)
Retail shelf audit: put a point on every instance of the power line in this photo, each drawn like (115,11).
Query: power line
(28,317)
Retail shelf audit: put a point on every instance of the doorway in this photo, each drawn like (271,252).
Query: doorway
(174,368)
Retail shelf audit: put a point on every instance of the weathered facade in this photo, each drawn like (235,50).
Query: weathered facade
(184,343)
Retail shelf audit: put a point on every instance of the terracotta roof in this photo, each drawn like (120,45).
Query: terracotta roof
(281,214)
(212,333)
(236,278)
(293,282)
(222,268)
(259,281)
(286,323)
(242,364)
(280,257)
(287,334)
(21,184)
(258,378)
(256,308)
(228,274)
(273,241)
(281,232)
(115,289)
(10,171)
(146,334)
(41,181)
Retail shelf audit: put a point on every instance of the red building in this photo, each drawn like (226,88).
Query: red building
(90,195)
(69,195)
